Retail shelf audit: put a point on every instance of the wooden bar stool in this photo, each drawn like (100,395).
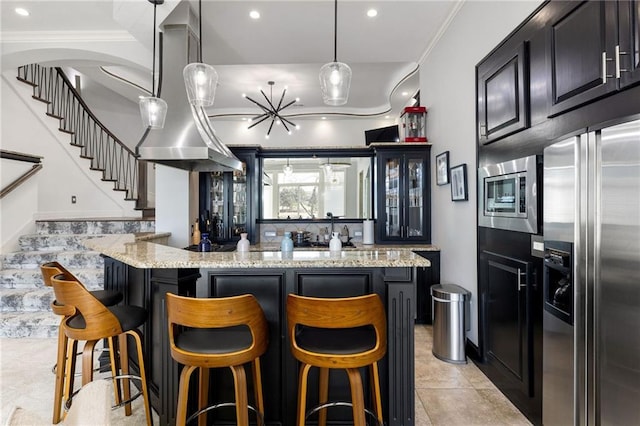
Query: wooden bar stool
(345,333)
(92,321)
(106,297)
(212,333)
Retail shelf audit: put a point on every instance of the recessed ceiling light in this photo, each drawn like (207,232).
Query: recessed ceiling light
(254,14)
(386,116)
(371,13)
(324,118)
(22,11)
(405,93)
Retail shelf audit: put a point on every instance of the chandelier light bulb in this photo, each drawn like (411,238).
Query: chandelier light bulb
(335,77)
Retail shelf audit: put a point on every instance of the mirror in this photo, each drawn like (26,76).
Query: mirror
(308,188)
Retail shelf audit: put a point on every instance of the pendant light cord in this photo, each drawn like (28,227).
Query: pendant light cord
(335,31)
(200,30)
(153,75)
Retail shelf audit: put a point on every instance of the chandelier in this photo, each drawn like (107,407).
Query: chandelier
(271,111)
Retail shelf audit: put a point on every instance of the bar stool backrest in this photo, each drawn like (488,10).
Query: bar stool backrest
(99,322)
(49,270)
(217,312)
(336,313)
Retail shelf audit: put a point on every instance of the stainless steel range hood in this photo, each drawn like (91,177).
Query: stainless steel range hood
(187,141)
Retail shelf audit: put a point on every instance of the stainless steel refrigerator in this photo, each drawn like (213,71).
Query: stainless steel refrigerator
(591,322)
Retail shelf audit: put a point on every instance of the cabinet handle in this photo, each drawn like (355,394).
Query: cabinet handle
(483,130)
(604,68)
(520,285)
(618,69)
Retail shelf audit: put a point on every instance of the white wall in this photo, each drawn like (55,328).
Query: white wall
(447,89)
(118,114)
(172,204)
(26,129)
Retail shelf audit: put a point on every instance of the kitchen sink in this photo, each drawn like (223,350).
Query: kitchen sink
(318,244)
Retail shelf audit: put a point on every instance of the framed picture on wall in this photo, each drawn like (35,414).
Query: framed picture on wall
(459,191)
(442,168)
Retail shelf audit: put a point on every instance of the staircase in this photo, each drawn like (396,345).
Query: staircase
(106,153)
(24,299)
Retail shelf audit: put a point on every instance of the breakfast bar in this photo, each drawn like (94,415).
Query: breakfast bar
(145,272)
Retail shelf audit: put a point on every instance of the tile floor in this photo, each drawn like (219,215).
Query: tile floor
(456,394)
(446,394)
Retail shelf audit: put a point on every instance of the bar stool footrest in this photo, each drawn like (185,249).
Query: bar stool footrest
(222,405)
(340,404)
(68,402)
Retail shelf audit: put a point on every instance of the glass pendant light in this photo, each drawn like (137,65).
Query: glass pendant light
(200,79)
(288,169)
(335,77)
(153,109)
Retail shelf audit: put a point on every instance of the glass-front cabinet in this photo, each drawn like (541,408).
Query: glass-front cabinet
(226,200)
(403,195)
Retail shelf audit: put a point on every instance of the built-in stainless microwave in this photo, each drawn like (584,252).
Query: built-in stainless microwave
(508,196)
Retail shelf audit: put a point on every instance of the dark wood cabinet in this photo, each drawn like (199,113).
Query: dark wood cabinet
(592,51)
(628,53)
(506,291)
(395,286)
(503,97)
(403,194)
(228,200)
(426,277)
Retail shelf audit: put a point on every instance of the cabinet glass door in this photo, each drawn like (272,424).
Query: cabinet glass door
(392,197)
(415,199)
(215,223)
(239,202)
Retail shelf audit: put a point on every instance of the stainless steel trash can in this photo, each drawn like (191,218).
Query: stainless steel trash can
(450,308)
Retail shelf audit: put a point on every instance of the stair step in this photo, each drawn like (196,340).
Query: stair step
(95,226)
(29,324)
(92,278)
(55,242)
(25,300)
(71,259)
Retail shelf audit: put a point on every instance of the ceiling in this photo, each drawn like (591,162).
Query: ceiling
(288,44)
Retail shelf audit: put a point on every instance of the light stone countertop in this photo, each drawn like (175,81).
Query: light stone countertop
(134,251)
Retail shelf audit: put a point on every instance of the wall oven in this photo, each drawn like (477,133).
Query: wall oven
(508,197)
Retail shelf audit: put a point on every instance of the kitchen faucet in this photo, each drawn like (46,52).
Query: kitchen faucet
(332,217)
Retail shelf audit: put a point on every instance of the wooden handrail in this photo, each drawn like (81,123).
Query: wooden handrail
(18,156)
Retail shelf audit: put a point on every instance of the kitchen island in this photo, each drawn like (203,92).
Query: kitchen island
(145,272)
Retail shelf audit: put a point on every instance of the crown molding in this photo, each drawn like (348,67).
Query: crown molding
(64,36)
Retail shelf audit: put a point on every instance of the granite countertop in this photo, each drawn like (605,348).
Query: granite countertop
(135,251)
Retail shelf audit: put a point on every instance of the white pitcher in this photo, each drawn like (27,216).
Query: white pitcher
(335,244)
